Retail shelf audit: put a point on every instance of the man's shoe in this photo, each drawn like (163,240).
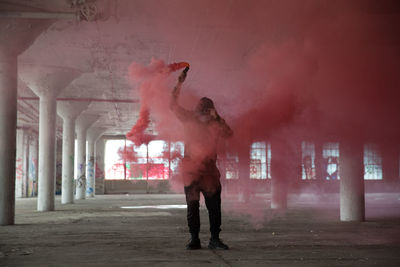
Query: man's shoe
(216,243)
(193,244)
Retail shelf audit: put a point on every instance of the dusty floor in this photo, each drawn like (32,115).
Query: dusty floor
(98,232)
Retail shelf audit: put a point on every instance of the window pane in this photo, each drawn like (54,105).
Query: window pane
(232,166)
(158,160)
(372,162)
(114,164)
(258,161)
(177,152)
(308,158)
(135,158)
(330,161)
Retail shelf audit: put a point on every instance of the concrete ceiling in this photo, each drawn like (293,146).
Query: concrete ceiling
(125,32)
(216,37)
(136,31)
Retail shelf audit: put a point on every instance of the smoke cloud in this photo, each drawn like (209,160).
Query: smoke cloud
(284,70)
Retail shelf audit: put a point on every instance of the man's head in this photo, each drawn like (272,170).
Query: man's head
(204,106)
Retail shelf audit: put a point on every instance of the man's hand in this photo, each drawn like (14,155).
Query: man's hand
(214,114)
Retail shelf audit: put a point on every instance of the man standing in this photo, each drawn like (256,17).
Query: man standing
(202,129)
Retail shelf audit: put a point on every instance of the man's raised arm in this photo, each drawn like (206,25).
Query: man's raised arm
(179,111)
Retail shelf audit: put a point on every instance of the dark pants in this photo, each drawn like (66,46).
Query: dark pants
(213,204)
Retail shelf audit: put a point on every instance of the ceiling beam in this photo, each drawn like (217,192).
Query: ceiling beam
(84,99)
(38,15)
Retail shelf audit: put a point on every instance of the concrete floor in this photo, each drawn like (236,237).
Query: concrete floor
(98,232)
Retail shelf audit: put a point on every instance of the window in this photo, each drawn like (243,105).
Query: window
(232,166)
(150,162)
(330,161)
(124,160)
(114,164)
(258,160)
(308,161)
(177,150)
(372,162)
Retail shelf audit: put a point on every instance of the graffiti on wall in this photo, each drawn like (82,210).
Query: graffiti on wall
(81,181)
(32,177)
(19,175)
(90,176)
(19,171)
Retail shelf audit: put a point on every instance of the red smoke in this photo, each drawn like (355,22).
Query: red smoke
(137,134)
(153,81)
(127,153)
(171,155)
(315,70)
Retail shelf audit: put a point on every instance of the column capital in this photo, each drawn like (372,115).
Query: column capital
(84,121)
(70,110)
(16,35)
(94,133)
(46,80)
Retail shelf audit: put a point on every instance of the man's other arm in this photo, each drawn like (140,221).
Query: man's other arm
(226,131)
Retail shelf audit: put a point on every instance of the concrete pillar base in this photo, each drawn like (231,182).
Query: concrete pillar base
(352,202)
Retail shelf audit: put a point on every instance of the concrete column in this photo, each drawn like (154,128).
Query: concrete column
(67,190)
(59,155)
(244,173)
(33,165)
(47,82)
(47,152)
(92,136)
(352,202)
(20,164)
(99,166)
(90,168)
(81,160)
(8,125)
(82,124)
(282,169)
(25,187)
(69,112)
(15,37)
